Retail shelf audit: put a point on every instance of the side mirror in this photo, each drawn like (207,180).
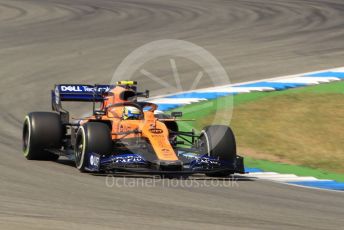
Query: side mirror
(176,114)
(143,94)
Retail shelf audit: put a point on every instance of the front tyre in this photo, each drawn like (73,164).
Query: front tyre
(92,137)
(41,131)
(218,141)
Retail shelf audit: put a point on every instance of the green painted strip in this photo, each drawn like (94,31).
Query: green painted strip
(207,107)
(293,169)
(333,87)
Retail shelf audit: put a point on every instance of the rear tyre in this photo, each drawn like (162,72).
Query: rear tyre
(41,131)
(91,137)
(219,141)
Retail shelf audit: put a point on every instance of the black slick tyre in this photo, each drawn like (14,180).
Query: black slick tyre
(41,131)
(219,141)
(91,137)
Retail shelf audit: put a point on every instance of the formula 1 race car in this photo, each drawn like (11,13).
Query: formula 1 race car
(125,134)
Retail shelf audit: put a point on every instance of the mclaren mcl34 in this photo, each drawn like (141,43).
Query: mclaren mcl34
(126,134)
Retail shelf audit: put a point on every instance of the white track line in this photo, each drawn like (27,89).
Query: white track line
(230,89)
(274,79)
(176,100)
(307,80)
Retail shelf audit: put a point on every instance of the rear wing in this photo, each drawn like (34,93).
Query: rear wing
(86,93)
(77,92)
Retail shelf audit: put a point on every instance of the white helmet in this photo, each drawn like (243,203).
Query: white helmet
(131,113)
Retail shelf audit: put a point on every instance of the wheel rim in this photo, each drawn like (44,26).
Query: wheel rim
(78,152)
(26,137)
(204,144)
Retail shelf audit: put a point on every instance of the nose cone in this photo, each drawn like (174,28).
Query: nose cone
(157,134)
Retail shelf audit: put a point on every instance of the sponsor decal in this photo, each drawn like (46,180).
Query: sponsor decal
(123,128)
(127,159)
(205,163)
(83,88)
(156,131)
(71,88)
(94,161)
(165,151)
(208,161)
(188,155)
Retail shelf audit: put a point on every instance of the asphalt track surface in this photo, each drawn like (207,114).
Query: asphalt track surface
(52,41)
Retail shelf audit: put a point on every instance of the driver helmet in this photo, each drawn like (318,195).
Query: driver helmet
(131,113)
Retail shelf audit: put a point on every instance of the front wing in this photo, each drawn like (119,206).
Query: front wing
(188,163)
